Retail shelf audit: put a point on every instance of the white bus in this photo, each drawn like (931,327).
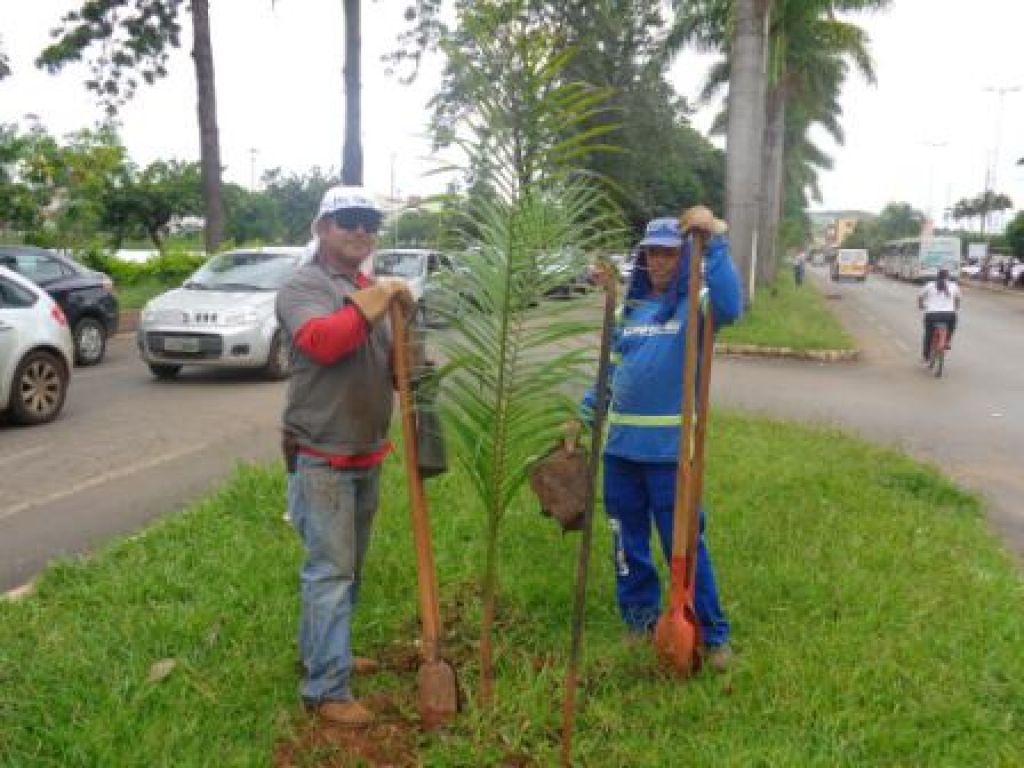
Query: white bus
(921,258)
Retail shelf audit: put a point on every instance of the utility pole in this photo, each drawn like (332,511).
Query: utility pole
(252,168)
(990,186)
(394,204)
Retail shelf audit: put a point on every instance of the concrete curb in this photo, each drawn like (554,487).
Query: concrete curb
(817,355)
(20,593)
(127,322)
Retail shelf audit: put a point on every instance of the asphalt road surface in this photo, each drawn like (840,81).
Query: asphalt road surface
(970,422)
(126,449)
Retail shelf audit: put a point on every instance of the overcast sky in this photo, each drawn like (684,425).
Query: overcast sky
(279,92)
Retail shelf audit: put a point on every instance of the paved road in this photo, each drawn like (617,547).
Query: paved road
(126,449)
(970,422)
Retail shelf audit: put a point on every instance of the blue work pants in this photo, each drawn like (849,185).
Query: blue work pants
(634,494)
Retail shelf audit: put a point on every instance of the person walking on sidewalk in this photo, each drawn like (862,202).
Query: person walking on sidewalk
(642,449)
(336,421)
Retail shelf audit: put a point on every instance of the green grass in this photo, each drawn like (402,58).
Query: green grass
(877,623)
(135,295)
(783,315)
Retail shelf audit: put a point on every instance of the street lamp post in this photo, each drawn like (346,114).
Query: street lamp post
(931,175)
(252,168)
(991,176)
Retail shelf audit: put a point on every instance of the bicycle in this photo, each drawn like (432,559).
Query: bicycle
(937,349)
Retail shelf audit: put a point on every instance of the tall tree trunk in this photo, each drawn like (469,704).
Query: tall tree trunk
(743,140)
(209,136)
(352,154)
(771,185)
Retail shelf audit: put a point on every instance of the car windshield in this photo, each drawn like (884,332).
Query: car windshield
(398,263)
(243,271)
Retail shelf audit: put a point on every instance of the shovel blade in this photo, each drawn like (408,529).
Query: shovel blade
(438,694)
(677,642)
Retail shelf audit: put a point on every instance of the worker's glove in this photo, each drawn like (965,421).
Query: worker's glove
(699,218)
(373,302)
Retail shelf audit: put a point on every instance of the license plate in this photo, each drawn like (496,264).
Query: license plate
(181,345)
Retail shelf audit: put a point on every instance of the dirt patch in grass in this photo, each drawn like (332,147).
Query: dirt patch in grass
(390,742)
(393,741)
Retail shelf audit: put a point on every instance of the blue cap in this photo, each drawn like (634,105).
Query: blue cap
(664,232)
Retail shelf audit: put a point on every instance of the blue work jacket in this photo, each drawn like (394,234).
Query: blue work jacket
(648,351)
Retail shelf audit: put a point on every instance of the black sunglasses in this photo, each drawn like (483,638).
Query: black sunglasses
(350,218)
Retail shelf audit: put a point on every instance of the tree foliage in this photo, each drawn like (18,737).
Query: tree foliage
(1014,235)
(661,164)
(146,200)
(897,220)
(5,63)
(981,206)
(129,39)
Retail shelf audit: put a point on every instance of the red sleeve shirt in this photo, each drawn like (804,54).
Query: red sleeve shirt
(329,338)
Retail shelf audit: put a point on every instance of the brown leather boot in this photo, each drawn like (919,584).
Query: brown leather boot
(350,714)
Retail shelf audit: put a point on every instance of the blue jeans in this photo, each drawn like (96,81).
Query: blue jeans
(634,493)
(332,510)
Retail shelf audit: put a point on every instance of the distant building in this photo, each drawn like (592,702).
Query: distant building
(839,230)
(830,228)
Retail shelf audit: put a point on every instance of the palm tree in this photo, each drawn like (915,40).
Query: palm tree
(352,153)
(744,137)
(209,133)
(506,395)
(808,50)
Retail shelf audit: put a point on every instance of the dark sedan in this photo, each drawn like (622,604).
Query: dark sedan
(87,297)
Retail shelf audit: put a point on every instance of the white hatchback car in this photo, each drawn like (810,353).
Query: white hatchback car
(36,351)
(222,316)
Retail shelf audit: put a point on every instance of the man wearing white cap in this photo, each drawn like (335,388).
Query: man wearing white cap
(336,422)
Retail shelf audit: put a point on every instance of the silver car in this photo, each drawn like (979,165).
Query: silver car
(223,315)
(36,351)
(422,270)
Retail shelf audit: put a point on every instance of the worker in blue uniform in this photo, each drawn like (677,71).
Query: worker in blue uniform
(641,452)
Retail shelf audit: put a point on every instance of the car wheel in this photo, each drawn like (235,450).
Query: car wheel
(39,387)
(163,371)
(277,361)
(90,341)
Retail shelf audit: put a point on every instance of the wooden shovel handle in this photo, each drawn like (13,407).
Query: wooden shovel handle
(682,511)
(425,574)
(707,353)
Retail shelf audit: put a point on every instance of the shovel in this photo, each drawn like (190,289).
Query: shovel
(583,563)
(437,698)
(677,633)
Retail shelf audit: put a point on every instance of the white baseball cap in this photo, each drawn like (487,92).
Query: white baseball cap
(341,197)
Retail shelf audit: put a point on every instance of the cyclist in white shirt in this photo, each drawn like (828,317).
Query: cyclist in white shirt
(940,300)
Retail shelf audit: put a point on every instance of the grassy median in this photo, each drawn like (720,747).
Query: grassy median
(784,315)
(876,621)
